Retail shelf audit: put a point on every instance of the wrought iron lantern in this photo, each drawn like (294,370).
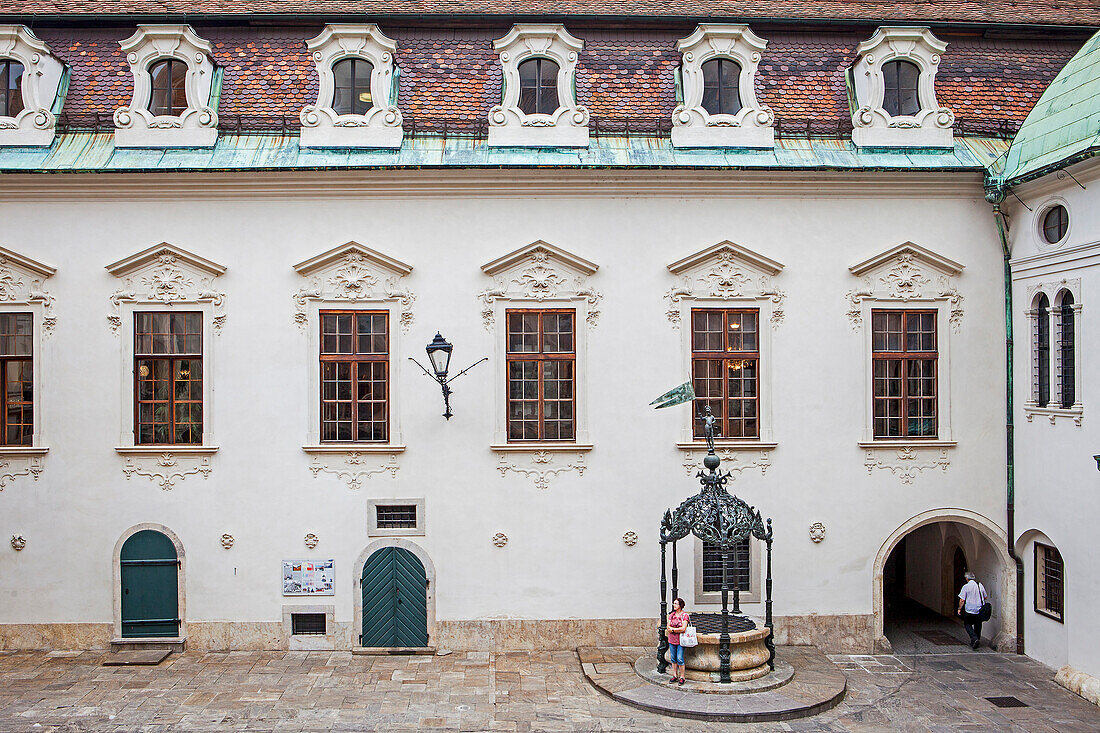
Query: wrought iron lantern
(439,356)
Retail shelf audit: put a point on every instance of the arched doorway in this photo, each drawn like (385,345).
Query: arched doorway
(918,572)
(394,602)
(148,584)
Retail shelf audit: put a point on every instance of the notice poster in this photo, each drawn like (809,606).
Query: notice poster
(308,578)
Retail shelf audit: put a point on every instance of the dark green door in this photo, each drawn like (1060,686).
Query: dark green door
(395,600)
(150,595)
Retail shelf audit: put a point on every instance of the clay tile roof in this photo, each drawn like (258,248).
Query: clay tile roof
(1065,12)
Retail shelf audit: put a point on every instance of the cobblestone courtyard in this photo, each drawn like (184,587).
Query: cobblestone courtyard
(536,691)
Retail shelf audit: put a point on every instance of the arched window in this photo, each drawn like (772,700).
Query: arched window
(721,95)
(353,96)
(538,87)
(169,87)
(901,88)
(1067,392)
(1042,351)
(11,91)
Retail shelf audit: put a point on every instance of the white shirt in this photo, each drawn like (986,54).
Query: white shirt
(973,596)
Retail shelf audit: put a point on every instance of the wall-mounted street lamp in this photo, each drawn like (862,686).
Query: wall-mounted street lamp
(1097,459)
(439,356)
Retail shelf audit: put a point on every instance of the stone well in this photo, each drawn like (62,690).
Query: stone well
(748,656)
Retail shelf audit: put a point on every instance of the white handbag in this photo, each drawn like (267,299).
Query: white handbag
(689,637)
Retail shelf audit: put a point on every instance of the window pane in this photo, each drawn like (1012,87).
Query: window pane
(711,86)
(528,86)
(12,88)
(523,332)
(730,72)
(707,330)
(179,87)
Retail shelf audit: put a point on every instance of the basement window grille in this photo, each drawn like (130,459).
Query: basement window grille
(1049,582)
(308,624)
(396,516)
(737,567)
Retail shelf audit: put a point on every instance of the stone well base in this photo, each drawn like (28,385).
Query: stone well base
(748,656)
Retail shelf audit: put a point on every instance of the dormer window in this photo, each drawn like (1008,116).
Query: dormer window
(721,79)
(174,103)
(538,107)
(718,75)
(893,93)
(30,88)
(356,98)
(353,95)
(538,86)
(169,91)
(11,76)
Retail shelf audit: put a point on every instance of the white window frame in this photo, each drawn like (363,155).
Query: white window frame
(692,125)
(1041,213)
(196,126)
(373,530)
(42,79)
(752,595)
(872,125)
(508,124)
(380,127)
(1053,410)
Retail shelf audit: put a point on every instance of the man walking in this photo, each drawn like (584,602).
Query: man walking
(971,599)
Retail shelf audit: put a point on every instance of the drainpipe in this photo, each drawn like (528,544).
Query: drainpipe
(995,196)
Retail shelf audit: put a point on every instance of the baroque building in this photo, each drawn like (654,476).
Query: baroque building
(226,235)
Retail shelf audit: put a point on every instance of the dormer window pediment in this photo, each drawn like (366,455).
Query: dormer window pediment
(358,77)
(539,107)
(32,79)
(174,78)
(893,83)
(720,108)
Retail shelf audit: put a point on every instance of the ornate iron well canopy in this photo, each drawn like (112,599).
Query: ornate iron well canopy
(723,520)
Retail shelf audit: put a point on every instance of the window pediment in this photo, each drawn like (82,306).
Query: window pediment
(539,272)
(874,124)
(40,83)
(351,273)
(166,274)
(751,125)
(380,125)
(22,282)
(509,125)
(197,124)
(725,271)
(907,272)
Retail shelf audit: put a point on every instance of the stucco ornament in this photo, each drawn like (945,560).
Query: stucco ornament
(354,468)
(311,540)
(727,272)
(500,539)
(166,275)
(165,470)
(567,126)
(542,465)
(630,539)
(380,126)
(39,85)
(353,273)
(906,462)
(227,541)
(692,126)
(538,273)
(22,282)
(18,542)
(817,532)
(196,126)
(873,125)
(733,460)
(906,273)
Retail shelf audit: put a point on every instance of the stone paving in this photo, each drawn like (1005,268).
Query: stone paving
(478,691)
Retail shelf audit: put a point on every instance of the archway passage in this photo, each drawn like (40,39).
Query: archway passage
(149,572)
(395,600)
(921,579)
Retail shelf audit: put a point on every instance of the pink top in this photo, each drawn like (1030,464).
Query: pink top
(677,619)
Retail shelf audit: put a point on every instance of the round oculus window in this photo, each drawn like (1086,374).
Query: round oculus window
(1055,224)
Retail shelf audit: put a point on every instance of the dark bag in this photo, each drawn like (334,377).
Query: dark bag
(985,612)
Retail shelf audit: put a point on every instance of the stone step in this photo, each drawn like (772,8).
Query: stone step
(137,657)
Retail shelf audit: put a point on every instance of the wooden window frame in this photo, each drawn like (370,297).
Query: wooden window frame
(906,357)
(539,87)
(358,85)
(723,90)
(1041,549)
(354,359)
(541,357)
(4,361)
(895,66)
(171,358)
(172,64)
(725,355)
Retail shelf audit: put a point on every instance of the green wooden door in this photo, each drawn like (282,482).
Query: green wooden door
(150,595)
(395,600)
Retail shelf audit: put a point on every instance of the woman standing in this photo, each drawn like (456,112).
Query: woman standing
(677,624)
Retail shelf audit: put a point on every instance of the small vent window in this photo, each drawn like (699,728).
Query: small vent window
(307,624)
(396,516)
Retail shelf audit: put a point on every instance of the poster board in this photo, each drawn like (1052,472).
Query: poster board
(308,578)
